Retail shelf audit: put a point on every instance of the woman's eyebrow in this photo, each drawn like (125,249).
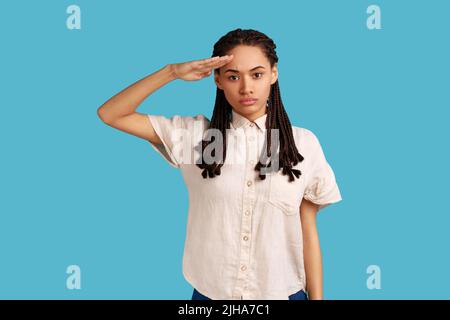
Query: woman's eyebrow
(232,70)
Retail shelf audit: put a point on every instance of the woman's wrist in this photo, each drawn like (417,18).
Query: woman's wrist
(315,295)
(171,70)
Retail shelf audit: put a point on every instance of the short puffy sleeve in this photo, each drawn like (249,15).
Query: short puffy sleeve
(321,188)
(178,136)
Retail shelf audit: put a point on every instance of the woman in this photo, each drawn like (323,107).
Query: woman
(253,197)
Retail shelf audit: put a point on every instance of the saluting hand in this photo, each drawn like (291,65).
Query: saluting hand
(198,69)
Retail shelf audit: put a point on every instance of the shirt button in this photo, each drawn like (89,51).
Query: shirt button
(249,183)
(252,162)
(247,212)
(243,268)
(251,124)
(245,238)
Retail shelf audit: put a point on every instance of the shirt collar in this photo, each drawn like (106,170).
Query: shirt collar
(241,121)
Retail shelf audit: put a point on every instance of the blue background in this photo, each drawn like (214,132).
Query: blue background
(75,191)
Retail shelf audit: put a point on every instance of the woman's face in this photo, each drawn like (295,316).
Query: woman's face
(247,75)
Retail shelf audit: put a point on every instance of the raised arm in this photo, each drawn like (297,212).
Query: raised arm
(120,111)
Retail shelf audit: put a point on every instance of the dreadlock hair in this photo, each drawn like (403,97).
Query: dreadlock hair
(277,117)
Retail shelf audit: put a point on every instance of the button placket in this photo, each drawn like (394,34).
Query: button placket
(248,201)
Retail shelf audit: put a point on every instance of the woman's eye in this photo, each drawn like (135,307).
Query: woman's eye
(260,73)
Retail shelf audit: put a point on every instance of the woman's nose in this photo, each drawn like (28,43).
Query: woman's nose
(246,87)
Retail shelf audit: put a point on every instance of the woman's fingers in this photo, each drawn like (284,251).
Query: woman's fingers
(206,74)
(214,60)
(211,59)
(208,59)
(214,64)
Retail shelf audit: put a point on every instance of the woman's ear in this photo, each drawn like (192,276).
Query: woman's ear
(217,80)
(274,74)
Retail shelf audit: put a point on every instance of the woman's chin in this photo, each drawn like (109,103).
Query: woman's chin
(248,110)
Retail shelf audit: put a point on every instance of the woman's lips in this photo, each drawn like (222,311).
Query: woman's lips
(248,102)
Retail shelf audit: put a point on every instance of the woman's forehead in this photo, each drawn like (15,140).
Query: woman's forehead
(246,59)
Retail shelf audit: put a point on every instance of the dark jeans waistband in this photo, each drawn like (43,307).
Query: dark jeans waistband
(299,295)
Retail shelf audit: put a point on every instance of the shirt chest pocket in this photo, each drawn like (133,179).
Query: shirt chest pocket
(286,195)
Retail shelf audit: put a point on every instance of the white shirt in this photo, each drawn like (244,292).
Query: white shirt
(244,235)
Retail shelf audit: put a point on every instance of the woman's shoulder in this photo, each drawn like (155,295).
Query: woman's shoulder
(191,118)
(304,137)
(197,122)
(182,121)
